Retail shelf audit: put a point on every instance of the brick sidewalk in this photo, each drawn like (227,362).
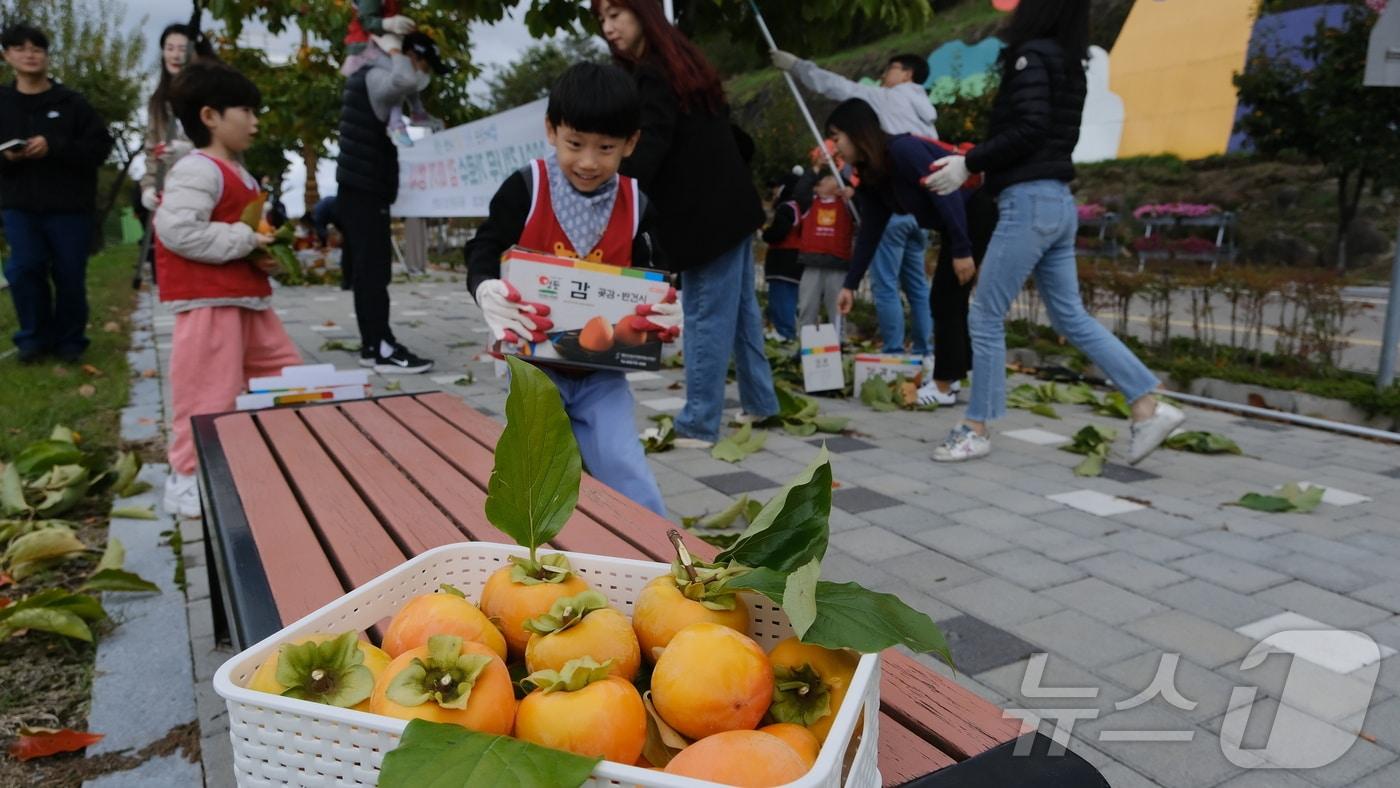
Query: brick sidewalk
(1014,555)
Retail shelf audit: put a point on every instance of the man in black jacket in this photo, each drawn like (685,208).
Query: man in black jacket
(48,192)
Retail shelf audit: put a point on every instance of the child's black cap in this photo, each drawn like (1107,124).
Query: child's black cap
(421,44)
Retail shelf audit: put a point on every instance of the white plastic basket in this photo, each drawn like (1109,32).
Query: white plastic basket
(284,741)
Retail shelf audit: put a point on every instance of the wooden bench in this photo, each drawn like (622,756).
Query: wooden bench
(304,504)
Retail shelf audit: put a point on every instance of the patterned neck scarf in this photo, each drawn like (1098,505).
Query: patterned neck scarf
(584,217)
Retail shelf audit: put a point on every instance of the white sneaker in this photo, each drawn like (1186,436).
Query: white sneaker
(182,496)
(1149,433)
(962,444)
(929,394)
(693,443)
(744,417)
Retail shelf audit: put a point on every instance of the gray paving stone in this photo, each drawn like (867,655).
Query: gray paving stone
(961,541)
(1062,685)
(1214,603)
(858,500)
(841,568)
(1198,762)
(929,571)
(1362,759)
(903,519)
(1231,573)
(1145,544)
(1056,544)
(1383,595)
(999,602)
(1235,545)
(1319,547)
(1077,522)
(1321,572)
(162,771)
(978,646)
(1029,569)
(1210,691)
(1119,776)
(1104,601)
(840,444)
(1162,523)
(738,482)
(1129,571)
(1127,473)
(994,520)
(1203,642)
(1380,543)
(1386,777)
(1322,605)
(1266,778)
(1081,638)
(873,544)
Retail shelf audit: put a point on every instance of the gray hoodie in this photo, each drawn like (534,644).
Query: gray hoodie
(903,109)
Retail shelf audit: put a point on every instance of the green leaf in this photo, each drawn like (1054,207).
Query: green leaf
(1201,442)
(38,457)
(63,487)
(664,438)
(802,429)
(1091,466)
(1115,405)
(792,528)
(1078,394)
(118,580)
(800,596)
(53,620)
(721,519)
(831,424)
(1092,439)
(114,557)
(849,616)
(37,550)
(124,471)
(63,434)
(1303,499)
(1264,503)
(663,742)
(450,756)
(722,541)
(878,394)
(12,493)
(134,513)
(1043,409)
(534,484)
(740,444)
(790,404)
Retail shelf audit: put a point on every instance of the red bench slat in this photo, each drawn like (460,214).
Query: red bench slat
(416,522)
(936,708)
(599,501)
(298,571)
(357,541)
(904,756)
(464,503)
(580,534)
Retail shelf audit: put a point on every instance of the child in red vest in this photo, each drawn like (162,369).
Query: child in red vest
(211,270)
(824,250)
(574,204)
(780,268)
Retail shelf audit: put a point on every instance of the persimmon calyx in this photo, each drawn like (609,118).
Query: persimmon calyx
(330,672)
(577,674)
(800,695)
(446,677)
(566,612)
(552,568)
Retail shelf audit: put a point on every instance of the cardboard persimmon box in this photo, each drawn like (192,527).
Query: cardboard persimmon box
(586,302)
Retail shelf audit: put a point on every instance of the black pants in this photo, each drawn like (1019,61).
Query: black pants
(365,229)
(948,300)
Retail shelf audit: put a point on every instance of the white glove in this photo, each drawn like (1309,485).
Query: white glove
(399,25)
(388,42)
(784,61)
(509,318)
(149,198)
(949,177)
(665,318)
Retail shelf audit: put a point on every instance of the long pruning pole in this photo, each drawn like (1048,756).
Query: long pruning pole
(802,105)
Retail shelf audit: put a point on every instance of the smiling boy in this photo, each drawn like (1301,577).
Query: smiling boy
(574,204)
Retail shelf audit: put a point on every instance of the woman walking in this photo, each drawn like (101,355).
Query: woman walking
(688,162)
(1026,163)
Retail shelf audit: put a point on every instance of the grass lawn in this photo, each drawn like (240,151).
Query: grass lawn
(87,396)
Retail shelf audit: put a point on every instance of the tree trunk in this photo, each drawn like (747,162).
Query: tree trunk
(311,194)
(1348,202)
(113,192)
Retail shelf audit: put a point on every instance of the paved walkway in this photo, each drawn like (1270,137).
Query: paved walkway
(1015,556)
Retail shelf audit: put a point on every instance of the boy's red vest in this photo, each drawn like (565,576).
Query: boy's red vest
(542,232)
(355,33)
(793,240)
(827,229)
(182,279)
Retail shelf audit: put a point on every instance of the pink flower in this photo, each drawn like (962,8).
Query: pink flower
(1090,211)
(1184,209)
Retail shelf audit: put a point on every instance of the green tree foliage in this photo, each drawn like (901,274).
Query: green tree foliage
(1310,100)
(92,50)
(532,76)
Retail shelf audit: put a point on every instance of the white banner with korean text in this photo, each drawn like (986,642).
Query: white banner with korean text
(455,172)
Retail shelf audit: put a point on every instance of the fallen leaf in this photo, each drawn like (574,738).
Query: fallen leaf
(92,371)
(112,327)
(677,386)
(329,323)
(87,390)
(5,602)
(5,579)
(42,742)
(149,373)
(60,372)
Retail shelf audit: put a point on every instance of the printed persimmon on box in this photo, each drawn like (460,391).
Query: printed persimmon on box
(587,301)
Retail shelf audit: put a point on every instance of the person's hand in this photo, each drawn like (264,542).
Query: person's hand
(150,198)
(266,263)
(949,177)
(14,155)
(263,239)
(390,43)
(398,25)
(784,61)
(509,318)
(37,148)
(964,269)
(663,319)
(845,300)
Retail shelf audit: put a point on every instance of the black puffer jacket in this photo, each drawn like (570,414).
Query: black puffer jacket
(368,160)
(64,180)
(1035,118)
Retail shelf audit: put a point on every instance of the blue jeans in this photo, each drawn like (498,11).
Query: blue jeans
(601,409)
(44,248)
(782,308)
(722,322)
(899,263)
(1035,235)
